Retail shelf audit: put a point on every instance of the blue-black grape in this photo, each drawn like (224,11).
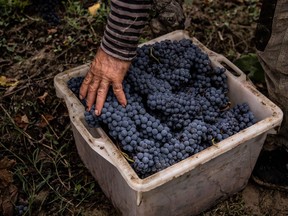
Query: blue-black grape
(21,209)
(47,10)
(177,106)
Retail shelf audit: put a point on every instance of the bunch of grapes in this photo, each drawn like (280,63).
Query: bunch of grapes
(46,8)
(21,209)
(177,106)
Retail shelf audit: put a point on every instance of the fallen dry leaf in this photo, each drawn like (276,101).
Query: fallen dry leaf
(9,200)
(41,196)
(8,191)
(7,207)
(6,163)
(9,90)
(6,178)
(20,123)
(94,9)
(13,190)
(8,82)
(42,156)
(43,97)
(51,31)
(46,118)
(25,119)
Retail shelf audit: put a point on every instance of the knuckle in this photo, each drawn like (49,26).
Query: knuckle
(101,92)
(92,88)
(117,88)
(87,80)
(119,94)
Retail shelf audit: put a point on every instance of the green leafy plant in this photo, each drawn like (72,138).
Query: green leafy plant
(8,5)
(102,13)
(73,8)
(251,66)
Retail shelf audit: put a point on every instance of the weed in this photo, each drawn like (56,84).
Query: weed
(102,14)
(74,8)
(250,65)
(7,6)
(44,171)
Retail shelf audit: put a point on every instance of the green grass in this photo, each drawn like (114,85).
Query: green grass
(50,177)
(45,174)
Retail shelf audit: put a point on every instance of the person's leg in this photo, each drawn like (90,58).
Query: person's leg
(272,43)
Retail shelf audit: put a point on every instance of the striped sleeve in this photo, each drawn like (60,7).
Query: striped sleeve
(125,22)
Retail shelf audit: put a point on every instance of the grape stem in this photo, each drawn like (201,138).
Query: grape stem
(151,54)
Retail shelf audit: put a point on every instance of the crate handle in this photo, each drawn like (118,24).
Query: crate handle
(100,145)
(239,74)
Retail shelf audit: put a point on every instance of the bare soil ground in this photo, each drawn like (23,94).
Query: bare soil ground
(39,164)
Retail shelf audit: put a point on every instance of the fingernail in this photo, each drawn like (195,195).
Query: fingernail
(81,97)
(97,112)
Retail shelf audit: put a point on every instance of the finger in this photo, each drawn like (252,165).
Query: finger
(101,96)
(92,91)
(119,93)
(85,84)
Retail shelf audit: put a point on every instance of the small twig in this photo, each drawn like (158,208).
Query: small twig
(13,92)
(31,18)
(18,29)
(54,111)
(245,42)
(70,176)
(93,31)
(65,163)
(15,155)
(220,35)
(232,41)
(64,132)
(240,26)
(227,107)
(49,147)
(70,47)
(210,38)
(152,55)
(50,126)
(24,93)
(17,128)
(49,185)
(57,173)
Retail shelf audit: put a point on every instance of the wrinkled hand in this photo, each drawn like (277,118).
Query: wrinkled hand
(105,70)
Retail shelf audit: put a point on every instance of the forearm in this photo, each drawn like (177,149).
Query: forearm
(124,26)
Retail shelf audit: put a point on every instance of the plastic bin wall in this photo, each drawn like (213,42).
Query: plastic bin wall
(190,186)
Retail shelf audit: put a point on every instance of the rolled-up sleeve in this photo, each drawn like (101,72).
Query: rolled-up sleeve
(124,26)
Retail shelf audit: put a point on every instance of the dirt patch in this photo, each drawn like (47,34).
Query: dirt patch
(262,201)
(224,27)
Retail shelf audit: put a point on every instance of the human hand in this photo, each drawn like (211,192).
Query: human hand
(105,70)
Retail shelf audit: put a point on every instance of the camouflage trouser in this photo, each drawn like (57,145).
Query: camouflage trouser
(167,16)
(274,59)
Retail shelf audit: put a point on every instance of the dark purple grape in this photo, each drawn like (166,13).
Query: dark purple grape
(177,107)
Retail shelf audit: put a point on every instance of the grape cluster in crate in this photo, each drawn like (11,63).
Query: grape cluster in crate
(177,106)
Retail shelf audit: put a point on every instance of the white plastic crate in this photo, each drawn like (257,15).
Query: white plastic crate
(190,186)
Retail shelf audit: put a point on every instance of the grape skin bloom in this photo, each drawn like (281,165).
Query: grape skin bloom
(177,106)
